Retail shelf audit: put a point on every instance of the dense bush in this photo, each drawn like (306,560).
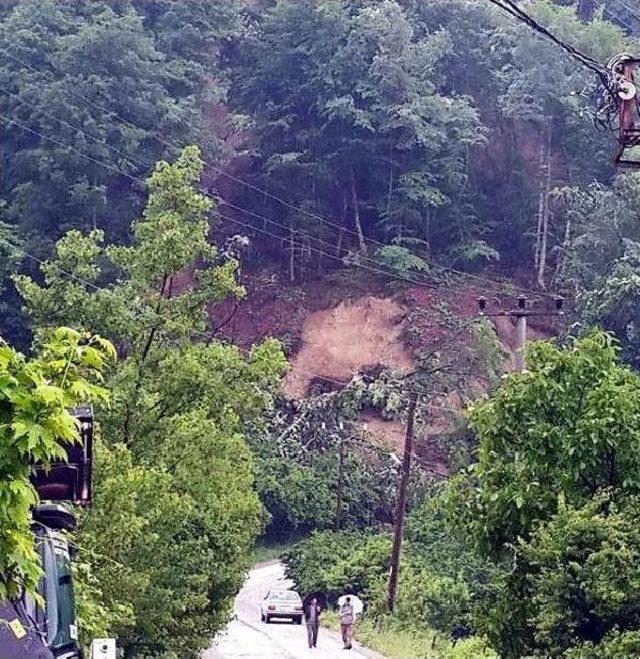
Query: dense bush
(175,512)
(555,491)
(336,563)
(575,584)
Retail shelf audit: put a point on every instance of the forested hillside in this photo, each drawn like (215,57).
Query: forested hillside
(280,214)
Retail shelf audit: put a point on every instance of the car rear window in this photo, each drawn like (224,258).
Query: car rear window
(286,595)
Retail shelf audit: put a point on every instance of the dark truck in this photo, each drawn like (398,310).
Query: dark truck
(47,628)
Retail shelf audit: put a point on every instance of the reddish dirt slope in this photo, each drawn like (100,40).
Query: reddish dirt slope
(334,329)
(338,342)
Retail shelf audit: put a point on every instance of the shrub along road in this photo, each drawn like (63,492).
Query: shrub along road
(247,637)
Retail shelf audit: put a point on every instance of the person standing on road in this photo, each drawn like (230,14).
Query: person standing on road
(312,618)
(347,623)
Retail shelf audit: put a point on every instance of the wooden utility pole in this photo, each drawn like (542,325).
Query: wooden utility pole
(338,517)
(401,503)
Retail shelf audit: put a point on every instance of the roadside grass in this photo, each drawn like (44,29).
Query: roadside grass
(396,642)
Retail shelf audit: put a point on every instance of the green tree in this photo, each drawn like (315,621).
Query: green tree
(128,59)
(602,261)
(574,589)
(176,512)
(569,426)
(35,422)
(350,119)
(550,441)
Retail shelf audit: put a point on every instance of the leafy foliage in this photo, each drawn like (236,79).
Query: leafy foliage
(401,260)
(569,425)
(553,492)
(336,563)
(176,514)
(350,115)
(35,423)
(132,59)
(603,258)
(298,453)
(575,584)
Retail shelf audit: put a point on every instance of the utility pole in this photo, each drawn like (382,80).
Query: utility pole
(521,312)
(401,504)
(341,450)
(338,517)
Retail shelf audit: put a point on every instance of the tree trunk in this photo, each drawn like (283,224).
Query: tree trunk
(343,221)
(292,274)
(559,273)
(543,209)
(356,215)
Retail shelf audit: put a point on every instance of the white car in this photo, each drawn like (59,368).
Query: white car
(281,604)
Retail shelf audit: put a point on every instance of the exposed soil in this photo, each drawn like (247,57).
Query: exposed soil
(334,327)
(338,342)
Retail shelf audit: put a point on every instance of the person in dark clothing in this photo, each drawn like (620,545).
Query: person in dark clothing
(312,618)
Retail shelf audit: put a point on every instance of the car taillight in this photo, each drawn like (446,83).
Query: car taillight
(271,607)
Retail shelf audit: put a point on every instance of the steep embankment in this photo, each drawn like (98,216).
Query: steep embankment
(339,326)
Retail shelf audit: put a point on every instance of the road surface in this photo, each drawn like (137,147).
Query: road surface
(248,638)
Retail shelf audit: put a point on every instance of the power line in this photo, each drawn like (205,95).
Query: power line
(299,209)
(420,282)
(208,335)
(134,160)
(326,254)
(514,10)
(379,268)
(141,181)
(63,122)
(173,145)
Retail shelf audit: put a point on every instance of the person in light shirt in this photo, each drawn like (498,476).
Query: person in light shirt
(347,623)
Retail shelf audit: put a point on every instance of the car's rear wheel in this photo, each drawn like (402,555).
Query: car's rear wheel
(261,616)
(298,620)
(267,619)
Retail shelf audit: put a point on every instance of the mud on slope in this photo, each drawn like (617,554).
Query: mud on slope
(338,342)
(332,329)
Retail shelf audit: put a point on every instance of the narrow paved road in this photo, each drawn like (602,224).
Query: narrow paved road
(249,638)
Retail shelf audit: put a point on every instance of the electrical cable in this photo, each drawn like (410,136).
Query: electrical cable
(375,270)
(379,268)
(161,140)
(589,62)
(218,199)
(208,335)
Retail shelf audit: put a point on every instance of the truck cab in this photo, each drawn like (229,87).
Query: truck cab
(45,629)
